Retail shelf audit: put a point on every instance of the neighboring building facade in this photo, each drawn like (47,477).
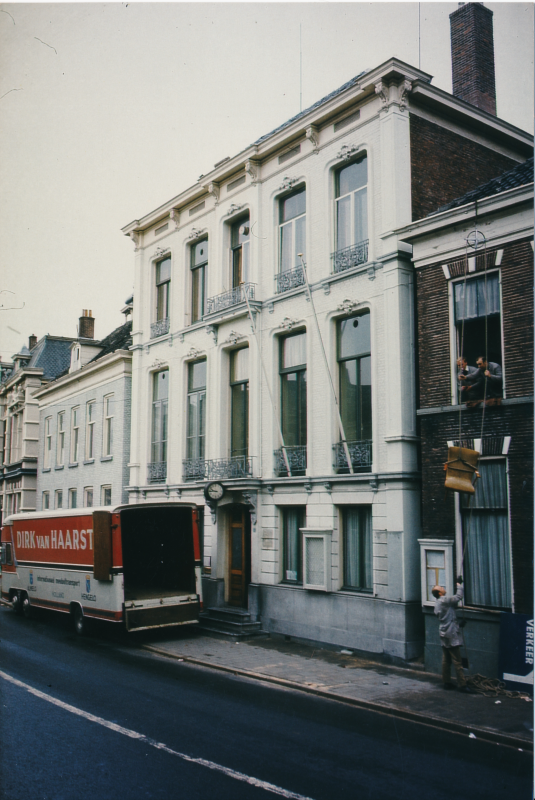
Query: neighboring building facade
(33,367)
(236,365)
(477,301)
(84,419)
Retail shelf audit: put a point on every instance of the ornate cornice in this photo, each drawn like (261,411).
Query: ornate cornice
(136,238)
(288,183)
(234,337)
(348,151)
(196,233)
(251,168)
(288,324)
(211,330)
(347,305)
(404,93)
(312,134)
(194,353)
(175,217)
(382,90)
(160,252)
(213,189)
(234,208)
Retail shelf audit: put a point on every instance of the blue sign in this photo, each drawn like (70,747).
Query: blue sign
(87,584)
(516,652)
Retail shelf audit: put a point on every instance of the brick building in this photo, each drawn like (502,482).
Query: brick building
(474,296)
(274,353)
(84,423)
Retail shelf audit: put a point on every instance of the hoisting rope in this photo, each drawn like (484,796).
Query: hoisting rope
(339,418)
(493,687)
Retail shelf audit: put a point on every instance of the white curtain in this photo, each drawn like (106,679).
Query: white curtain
(479,297)
(358,548)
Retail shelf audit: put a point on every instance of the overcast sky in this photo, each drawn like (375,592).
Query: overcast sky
(110,109)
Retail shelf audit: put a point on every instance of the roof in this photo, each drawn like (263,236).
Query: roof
(520,175)
(52,355)
(119,339)
(327,97)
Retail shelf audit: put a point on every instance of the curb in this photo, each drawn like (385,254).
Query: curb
(483,734)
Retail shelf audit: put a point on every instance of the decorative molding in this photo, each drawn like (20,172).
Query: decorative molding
(403,94)
(194,353)
(136,238)
(288,323)
(157,363)
(326,288)
(178,490)
(174,215)
(196,233)
(328,486)
(312,134)
(288,183)
(371,272)
(308,486)
(160,252)
(251,168)
(347,305)
(234,337)
(181,338)
(251,499)
(271,307)
(234,208)
(270,488)
(211,330)
(213,189)
(348,151)
(382,90)
(374,486)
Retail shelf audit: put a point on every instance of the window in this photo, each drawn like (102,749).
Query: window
(239,402)
(199,264)
(163,285)
(60,459)
(105,495)
(485,529)
(59,498)
(48,443)
(160,395)
(88,496)
(293,518)
(196,409)
(16,438)
(357,543)
(75,434)
(436,564)
(46,501)
(293,377)
(355,391)
(107,444)
(292,238)
(351,204)
(72,498)
(90,431)
(239,244)
(478,319)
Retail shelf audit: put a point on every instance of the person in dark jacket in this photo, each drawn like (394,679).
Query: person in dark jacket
(487,382)
(451,637)
(465,377)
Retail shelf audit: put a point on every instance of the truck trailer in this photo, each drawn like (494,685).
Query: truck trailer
(135,564)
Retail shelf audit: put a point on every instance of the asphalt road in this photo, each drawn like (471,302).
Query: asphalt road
(100,718)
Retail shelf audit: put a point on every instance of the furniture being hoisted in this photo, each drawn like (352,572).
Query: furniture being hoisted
(461,467)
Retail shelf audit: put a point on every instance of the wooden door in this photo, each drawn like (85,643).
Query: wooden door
(239,555)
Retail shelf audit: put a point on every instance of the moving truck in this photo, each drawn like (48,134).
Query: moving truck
(137,564)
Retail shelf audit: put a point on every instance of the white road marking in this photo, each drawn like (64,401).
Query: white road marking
(231,773)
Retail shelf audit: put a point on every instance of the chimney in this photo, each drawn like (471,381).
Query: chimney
(32,341)
(86,325)
(472,56)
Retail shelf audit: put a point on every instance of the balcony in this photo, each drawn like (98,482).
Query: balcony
(216,469)
(297,461)
(157,472)
(159,328)
(290,279)
(350,256)
(360,453)
(231,298)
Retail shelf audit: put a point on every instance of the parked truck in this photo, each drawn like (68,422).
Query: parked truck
(137,564)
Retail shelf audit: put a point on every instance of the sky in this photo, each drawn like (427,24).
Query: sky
(108,110)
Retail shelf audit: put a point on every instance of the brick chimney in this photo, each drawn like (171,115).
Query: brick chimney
(86,325)
(472,56)
(32,341)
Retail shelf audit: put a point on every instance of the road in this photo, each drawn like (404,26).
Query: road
(99,717)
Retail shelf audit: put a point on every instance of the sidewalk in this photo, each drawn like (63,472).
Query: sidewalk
(408,693)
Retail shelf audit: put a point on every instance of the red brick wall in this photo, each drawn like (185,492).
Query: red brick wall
(472,56)
(445,166)
(517,301)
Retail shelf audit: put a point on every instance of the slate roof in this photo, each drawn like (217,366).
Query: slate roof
(52,355)
(520,175)
(119,339)
(325,99)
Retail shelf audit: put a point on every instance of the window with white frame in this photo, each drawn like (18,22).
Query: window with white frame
(357,548)
(486,541)
(351,204)
(88,497)
(160,399)
(59,498)
(293,387)
(107,443)
(46,501)
(48,443)
(239,245)
(196,431)
(90,430)
(16,438)
(163,286)
(436,562)
(292,230)
(75,434)
(239,403)
(60,455)
(72,498)
(199,267)
(292,520)
(105,495)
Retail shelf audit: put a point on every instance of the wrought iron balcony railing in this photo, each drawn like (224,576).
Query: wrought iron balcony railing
(159,328)
(360,454)
(231,298)
(297,461)
(214,469)
(350,256)
(157,472)
(290,279)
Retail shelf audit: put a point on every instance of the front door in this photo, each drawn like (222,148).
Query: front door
(239,555)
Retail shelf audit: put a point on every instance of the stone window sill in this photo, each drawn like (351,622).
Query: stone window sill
(107,458)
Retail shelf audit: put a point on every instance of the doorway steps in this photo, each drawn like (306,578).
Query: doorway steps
(229,622)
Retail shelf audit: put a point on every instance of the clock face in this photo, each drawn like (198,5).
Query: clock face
(214,491)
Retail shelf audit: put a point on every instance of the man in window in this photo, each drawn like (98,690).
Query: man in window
(451,637)
(487,382)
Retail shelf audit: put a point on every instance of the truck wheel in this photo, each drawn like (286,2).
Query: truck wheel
(16,602)
(79,621)
(26,607)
